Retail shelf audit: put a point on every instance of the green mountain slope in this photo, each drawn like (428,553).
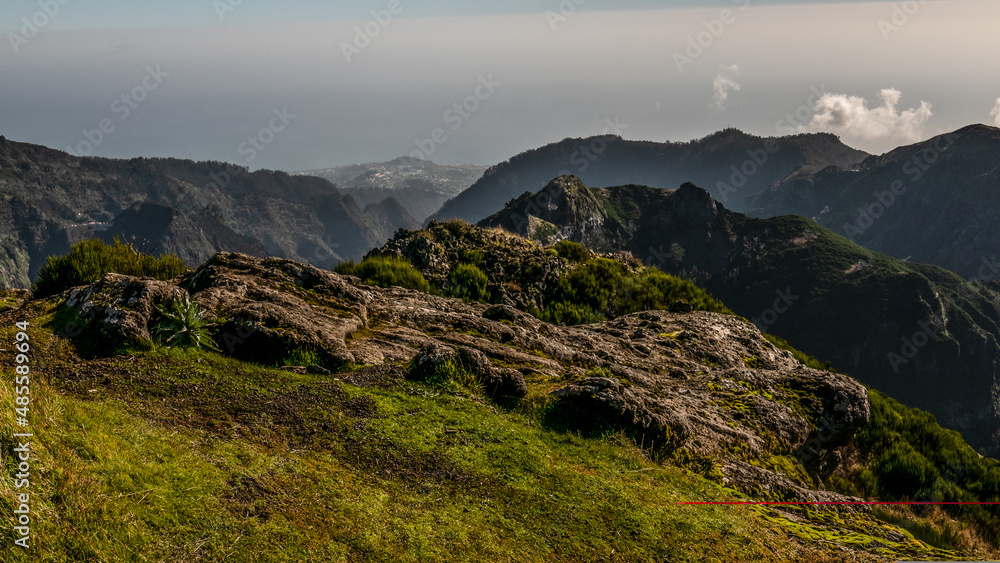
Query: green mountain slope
(919,333)
(936,202)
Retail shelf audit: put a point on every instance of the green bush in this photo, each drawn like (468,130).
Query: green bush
(568,314)
(448,374)
(90,260)
(592,284)
(386,271)
(469,283)
(574,252)
(653,289)
(905,454)
(903,473)
(602,288)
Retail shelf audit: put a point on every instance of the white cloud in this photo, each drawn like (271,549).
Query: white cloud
(995,114)
(851,116)
(724,84)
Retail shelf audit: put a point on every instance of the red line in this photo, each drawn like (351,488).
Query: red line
(837,503)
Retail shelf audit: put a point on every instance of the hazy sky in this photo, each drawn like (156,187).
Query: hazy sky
(306,84)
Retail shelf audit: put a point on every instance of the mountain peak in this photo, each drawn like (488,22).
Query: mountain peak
(979,129)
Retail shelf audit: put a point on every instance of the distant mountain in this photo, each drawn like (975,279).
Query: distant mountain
(50,200)
(937,201)
(919,333)
(732,165)
(190,236)
(420,186)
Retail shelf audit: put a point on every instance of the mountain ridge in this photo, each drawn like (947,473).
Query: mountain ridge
(937,201)
(734,165)
(50,200)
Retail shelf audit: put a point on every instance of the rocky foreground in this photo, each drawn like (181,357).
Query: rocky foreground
(700,390)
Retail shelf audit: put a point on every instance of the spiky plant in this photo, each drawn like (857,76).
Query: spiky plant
(184,325)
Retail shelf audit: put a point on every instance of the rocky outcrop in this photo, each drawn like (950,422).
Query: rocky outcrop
(119,309)
(682,384)
(13,298)
(435,360)
(520,271)
(910,330)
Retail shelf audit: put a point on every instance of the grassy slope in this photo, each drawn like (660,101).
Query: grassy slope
(180,456)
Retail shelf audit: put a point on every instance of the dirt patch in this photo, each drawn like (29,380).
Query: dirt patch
(420,471)
(250,498)
(375,376)
(360,407)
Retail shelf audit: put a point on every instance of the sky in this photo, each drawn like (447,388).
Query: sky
(300,85)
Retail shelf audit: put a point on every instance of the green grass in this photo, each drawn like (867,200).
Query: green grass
(187,455)
(386,271)
(431,473)
(602,288)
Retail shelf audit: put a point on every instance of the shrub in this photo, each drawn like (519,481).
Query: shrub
(592,284)
(602,288)
(653,289)
(905,454)
(90,260)
(302,357)
(564,313)
(572,251)
(904,473)
(469,283)
(448,374)
(386,271)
